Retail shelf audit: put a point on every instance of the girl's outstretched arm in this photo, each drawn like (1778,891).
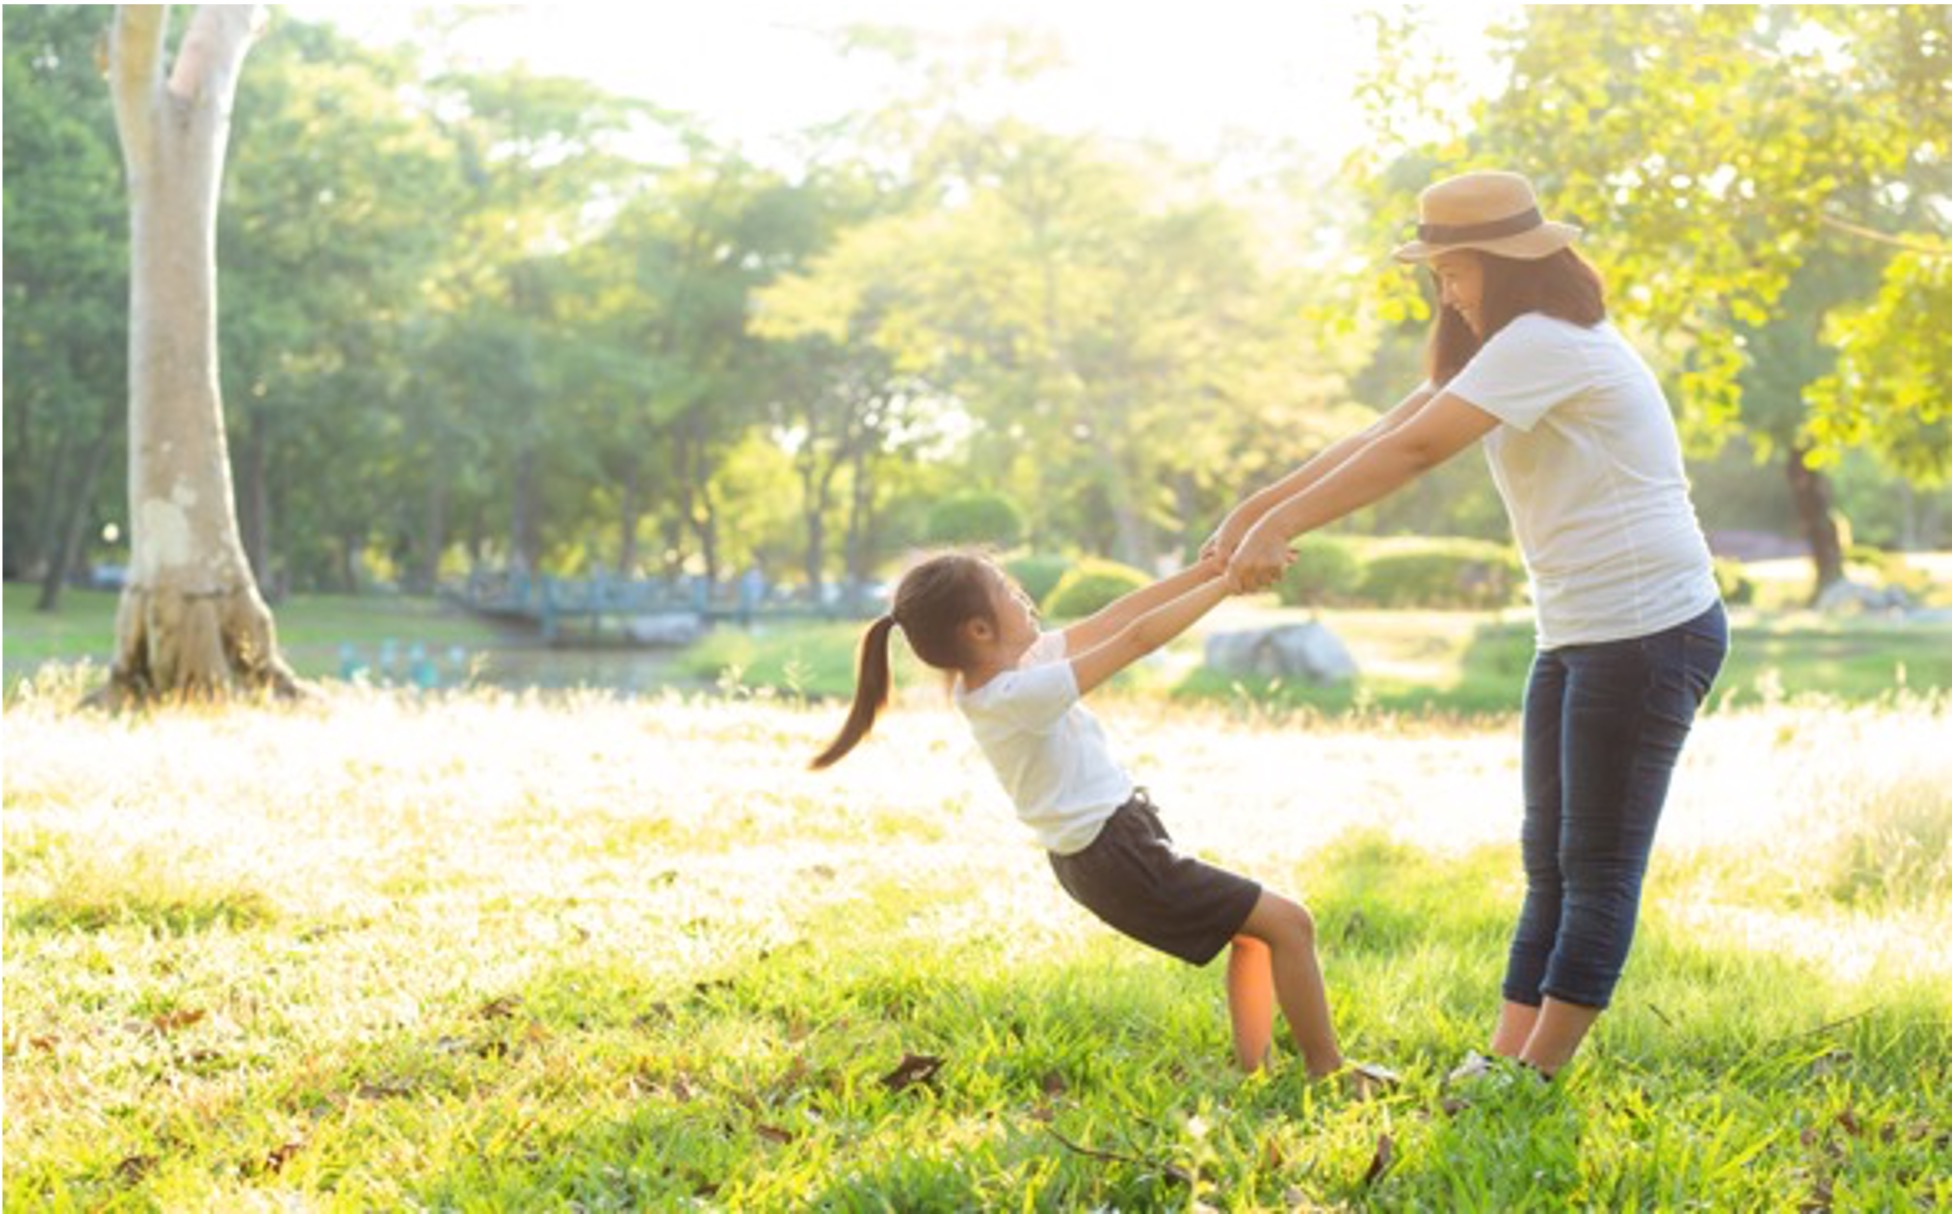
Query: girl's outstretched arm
(1145,634)
(1106,623)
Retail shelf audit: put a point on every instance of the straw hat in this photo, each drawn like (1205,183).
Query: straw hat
(1490,211)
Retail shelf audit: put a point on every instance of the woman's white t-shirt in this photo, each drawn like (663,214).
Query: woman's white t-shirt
(1590,470)
(1046,747)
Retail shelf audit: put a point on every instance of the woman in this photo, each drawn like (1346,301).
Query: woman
(1631,631)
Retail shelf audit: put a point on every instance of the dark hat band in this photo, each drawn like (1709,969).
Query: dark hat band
(1457,233)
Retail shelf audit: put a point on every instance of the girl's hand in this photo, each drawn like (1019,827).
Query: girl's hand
(1258,562)
(1225,538)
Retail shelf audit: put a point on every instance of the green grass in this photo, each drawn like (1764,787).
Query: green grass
(311,629)
(488,951)
(1446,662)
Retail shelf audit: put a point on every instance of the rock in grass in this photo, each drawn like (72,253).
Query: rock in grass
(1291,651)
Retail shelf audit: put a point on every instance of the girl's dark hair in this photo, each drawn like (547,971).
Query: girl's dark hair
(932,603)
(1562,285)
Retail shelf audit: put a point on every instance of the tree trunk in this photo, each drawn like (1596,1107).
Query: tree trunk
(1810,491)
(523,530)
(79,516)
(433,534)
(254,510)
(860,512)
(191,621)
(629,511)
(813,509)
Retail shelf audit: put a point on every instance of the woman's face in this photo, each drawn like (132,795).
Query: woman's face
(1460,285)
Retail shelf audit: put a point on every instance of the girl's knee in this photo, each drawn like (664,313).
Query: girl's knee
(1281,918)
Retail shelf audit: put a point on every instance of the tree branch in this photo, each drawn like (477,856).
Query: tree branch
(213,48)
(1928,248)
(135,56)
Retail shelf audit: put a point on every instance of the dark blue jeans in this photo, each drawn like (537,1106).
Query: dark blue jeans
(1604,724)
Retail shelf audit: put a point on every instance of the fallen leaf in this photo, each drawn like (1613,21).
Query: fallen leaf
(500,1008)
(283,1153)
(1385,1155)
(913,1069)
(182,1018)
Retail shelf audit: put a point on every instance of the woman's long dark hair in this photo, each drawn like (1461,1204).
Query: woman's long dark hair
(1562,285)
(932,603)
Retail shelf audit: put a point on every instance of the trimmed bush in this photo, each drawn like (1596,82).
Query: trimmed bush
(1442,573)
(1090,586)
(1733,580)
(1038,575)
(1891,570)
(975,518)
(1326,570)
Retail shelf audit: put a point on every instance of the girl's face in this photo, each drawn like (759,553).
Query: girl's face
(1016,618)
(1460,285)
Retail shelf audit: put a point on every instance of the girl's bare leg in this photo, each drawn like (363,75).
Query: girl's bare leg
(1289,933)
(1250,1001)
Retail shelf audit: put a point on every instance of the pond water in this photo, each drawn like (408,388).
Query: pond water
(514,667)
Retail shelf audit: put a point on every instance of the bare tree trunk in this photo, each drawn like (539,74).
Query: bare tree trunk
(79,514)
(254,509)
(860,512)
(1810,490)
(433,534)
(191,621)
(629,511)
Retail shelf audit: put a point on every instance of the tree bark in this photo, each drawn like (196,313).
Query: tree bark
(191,621)
(629,511)
(78,516)
(254,511)
(433,533)
(1810,491)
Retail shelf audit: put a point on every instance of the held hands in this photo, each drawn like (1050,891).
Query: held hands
(1258,562)
(1225,538)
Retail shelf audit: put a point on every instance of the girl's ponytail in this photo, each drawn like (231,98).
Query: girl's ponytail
(871,685)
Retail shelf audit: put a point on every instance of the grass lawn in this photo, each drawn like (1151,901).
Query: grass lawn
(311,629)
(487,951)
(1447,662)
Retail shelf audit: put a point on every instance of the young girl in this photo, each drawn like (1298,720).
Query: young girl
(1020,689)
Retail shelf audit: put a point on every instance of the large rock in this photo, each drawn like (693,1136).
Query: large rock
(1845,597)
(1291,651)
(666,628)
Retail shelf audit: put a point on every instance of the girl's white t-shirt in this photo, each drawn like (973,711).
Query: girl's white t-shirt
(1047,749)
(1589,466)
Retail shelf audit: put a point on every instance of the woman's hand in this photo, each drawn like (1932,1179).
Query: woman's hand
(1226,537)
(1258,562)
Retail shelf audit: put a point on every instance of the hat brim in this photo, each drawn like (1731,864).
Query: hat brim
(1530,245)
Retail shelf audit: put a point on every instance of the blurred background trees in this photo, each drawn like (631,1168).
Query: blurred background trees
(489,319)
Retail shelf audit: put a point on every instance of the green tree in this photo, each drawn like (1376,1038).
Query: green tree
(66,315)
(1717,156)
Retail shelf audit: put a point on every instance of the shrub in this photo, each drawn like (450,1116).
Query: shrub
(1038,575)
(1090,586)
(1326,570)
(1442,573)
(1733,580)
(1891,569)
(975,518)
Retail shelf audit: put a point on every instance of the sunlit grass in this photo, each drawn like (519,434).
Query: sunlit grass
(498,951)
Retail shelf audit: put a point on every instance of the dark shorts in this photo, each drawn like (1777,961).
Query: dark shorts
(1133,878)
